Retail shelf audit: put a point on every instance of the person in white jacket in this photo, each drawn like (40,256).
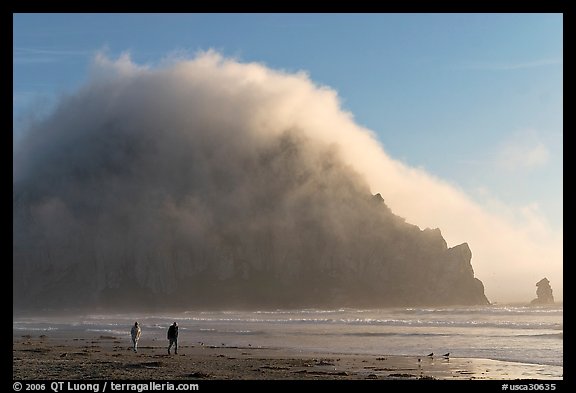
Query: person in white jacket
(135,332)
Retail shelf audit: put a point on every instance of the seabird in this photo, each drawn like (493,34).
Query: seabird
(447,354)
(431,354)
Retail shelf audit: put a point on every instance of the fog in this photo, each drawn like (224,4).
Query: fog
(141,157)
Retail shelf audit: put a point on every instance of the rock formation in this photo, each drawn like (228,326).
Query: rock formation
(333,246)
(543,293)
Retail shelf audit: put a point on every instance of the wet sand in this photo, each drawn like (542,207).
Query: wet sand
(50,356)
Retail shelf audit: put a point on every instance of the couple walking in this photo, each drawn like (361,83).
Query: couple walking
(172,336)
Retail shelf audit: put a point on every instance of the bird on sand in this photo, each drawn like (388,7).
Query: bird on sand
(447,354)
(431,354)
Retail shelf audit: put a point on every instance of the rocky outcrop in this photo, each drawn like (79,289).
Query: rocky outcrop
(289,226)
(380,261)
(543,293)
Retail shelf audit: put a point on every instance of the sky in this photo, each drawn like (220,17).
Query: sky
(474,101)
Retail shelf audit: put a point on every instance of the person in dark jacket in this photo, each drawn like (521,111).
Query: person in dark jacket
(173,338)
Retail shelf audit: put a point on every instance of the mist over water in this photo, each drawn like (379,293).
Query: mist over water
(146,177)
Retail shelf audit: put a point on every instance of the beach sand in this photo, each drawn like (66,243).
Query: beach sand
(50,356)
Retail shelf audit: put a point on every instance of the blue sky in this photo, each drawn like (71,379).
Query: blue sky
(473,99)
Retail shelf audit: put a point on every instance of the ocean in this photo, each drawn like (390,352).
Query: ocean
(501,332)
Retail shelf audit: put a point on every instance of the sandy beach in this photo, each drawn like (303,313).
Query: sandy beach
(51,356)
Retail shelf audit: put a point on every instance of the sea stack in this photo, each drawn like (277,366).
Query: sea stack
(544,293)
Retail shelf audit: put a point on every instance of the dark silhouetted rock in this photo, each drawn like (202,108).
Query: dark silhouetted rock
(287,224)
(544,293)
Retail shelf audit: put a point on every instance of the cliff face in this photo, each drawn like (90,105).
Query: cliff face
(292,226)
